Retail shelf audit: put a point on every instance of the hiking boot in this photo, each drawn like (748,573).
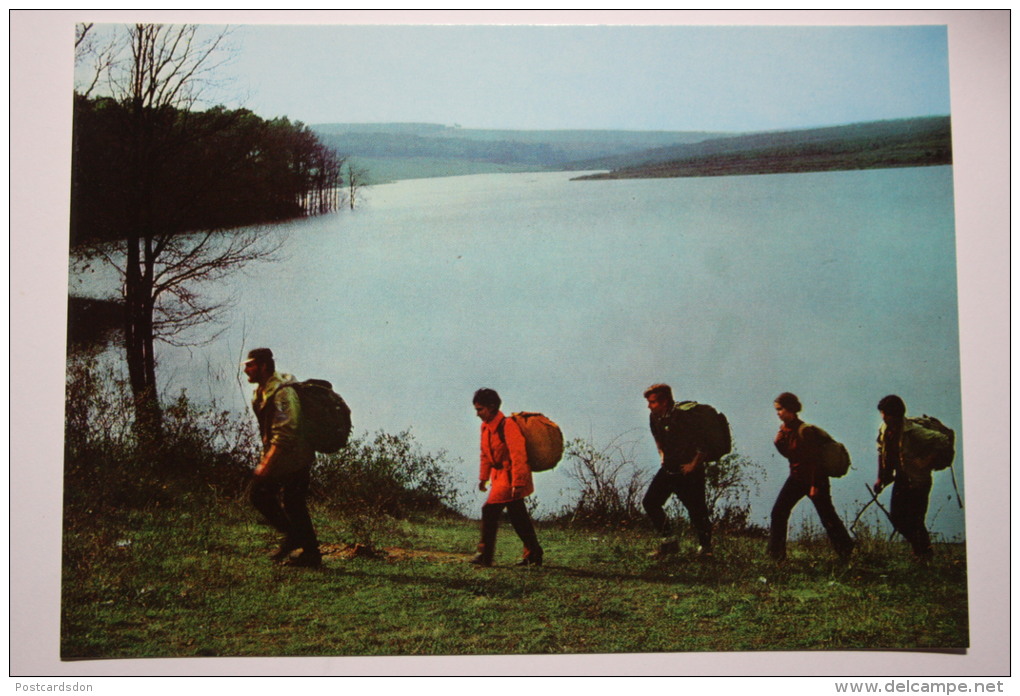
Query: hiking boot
(666,548)
(306,559)
(483,556)
(284,552)
(531,559)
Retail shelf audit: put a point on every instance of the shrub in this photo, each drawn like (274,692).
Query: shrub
(611,486)
(729,483)
(107,468)
(210,452)
(388,475)
(97,404)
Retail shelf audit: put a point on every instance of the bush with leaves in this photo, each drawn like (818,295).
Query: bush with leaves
(729,483)
(211,451)
(387,474)
(107,468)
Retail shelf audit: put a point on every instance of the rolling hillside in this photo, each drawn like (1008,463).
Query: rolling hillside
(393,151)
(901,143)
(413,150)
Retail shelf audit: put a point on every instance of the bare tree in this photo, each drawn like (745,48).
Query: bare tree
(356,181)
(184,266)
(325,178)
(92,57)
(168,65)
(157,76)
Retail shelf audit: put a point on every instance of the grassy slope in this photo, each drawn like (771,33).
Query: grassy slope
(903,143)
(197,583)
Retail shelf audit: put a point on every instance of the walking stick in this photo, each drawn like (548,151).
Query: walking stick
(874,499)
(861,513)
(959,500)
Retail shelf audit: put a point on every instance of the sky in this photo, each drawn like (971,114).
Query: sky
(716,78)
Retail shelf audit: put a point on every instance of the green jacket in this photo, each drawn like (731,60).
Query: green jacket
(910,454)
(278,411)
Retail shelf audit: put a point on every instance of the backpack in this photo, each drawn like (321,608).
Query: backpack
(711,426)
(832,455)
(325,415)
(929,437)
(543,439)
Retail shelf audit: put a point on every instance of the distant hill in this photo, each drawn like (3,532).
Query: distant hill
(899,143)
(393,151)
(413,150)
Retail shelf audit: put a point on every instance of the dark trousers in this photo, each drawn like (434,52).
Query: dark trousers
(283,502)
(517,511)
(908,508)
(793,490)
(690,489)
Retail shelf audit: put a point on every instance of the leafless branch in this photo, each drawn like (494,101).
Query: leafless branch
(99,55)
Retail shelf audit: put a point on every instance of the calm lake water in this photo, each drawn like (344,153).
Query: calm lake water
(571,297)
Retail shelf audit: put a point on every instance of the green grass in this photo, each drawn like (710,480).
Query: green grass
(197,582)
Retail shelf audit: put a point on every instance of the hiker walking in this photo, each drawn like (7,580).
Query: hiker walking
(280,482)
(908,452)
(679,438)
(504,464)
(801,445)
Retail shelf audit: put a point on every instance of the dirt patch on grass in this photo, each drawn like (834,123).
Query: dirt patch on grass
(390,553)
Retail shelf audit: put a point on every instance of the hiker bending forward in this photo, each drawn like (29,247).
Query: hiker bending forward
(281,478)
(504,465)
(910,477)
(799,443)
(682,472)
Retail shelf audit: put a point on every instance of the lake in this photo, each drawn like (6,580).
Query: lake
(571,297)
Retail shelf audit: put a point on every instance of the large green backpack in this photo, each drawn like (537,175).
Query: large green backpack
(832,455)
(711,428)
(929,440)
(325,415)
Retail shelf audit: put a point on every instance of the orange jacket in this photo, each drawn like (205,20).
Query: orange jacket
(504,460)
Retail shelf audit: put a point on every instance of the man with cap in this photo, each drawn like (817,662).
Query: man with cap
(280,486)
